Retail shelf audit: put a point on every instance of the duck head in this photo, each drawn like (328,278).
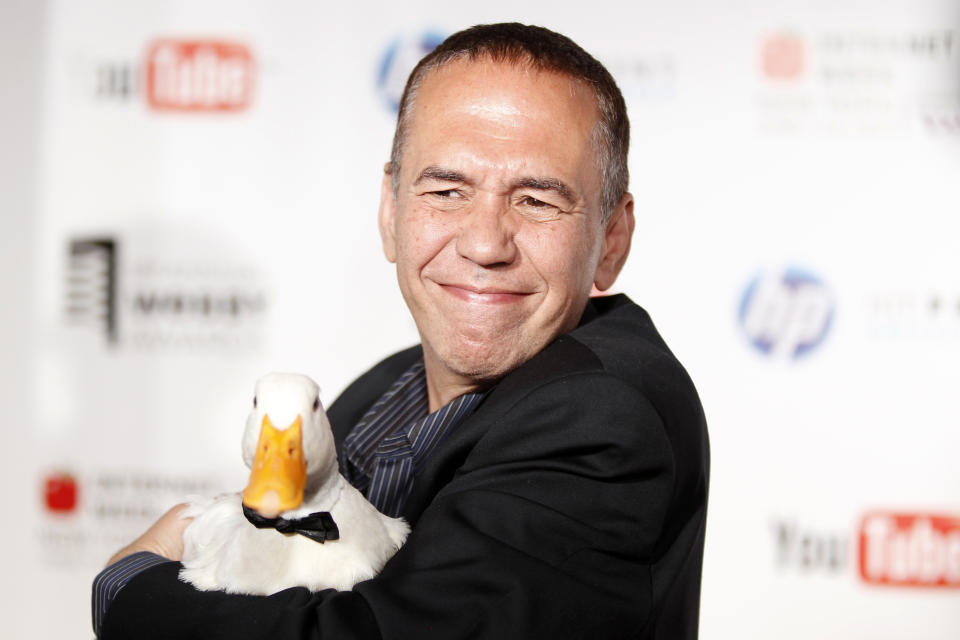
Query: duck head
(287,444)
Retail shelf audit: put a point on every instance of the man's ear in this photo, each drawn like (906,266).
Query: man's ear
(386,219)
(616,244)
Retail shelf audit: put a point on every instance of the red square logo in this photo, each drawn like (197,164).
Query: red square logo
(60,492)
(782,56)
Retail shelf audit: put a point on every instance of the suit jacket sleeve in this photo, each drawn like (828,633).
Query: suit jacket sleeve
(551,528)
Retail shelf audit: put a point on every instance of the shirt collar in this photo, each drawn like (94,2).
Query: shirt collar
(401,415)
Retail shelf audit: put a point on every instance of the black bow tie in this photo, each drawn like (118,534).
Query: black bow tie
(317,526)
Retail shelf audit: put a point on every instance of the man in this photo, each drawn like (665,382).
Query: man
(557,488)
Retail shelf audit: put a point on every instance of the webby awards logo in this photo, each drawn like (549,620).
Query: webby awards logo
(91,284)
(159,288)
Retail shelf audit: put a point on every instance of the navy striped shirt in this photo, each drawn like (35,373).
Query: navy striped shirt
(108,583)
(396,435)
(382,451)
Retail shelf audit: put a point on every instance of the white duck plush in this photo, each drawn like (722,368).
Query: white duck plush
(318,530)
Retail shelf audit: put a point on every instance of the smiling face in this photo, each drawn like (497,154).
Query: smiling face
(496,228)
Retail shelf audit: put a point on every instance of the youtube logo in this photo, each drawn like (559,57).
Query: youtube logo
(910,550)
(199,75)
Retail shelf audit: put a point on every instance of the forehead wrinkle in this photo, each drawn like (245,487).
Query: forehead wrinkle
(501,112)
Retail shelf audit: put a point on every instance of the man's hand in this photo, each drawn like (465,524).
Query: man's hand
(164,538)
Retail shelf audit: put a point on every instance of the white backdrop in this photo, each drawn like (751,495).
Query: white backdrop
(190,192)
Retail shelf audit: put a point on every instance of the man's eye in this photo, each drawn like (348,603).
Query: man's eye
(446,193)
(530,201)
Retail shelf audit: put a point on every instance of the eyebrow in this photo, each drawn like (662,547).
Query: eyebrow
(546,184)
(434,172)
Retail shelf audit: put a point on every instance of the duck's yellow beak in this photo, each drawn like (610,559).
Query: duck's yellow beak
(279,472)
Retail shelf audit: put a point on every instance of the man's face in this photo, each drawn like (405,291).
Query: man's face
(496,227)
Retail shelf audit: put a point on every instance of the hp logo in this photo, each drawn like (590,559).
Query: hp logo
(786,314)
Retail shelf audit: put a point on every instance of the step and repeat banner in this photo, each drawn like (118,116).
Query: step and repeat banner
(206,200)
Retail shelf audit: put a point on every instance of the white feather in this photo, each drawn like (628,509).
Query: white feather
(223,551)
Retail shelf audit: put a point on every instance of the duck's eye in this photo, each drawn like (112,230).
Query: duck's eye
(254,402)
(316,403)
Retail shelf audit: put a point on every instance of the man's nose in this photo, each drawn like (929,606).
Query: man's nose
(486,233)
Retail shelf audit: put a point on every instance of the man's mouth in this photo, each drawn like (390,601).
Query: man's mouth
(484,295)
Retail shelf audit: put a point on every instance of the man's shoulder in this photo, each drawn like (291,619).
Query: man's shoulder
(623,337)
(615,357)
(616,339)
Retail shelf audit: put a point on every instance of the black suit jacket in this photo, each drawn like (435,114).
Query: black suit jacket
(571,504)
